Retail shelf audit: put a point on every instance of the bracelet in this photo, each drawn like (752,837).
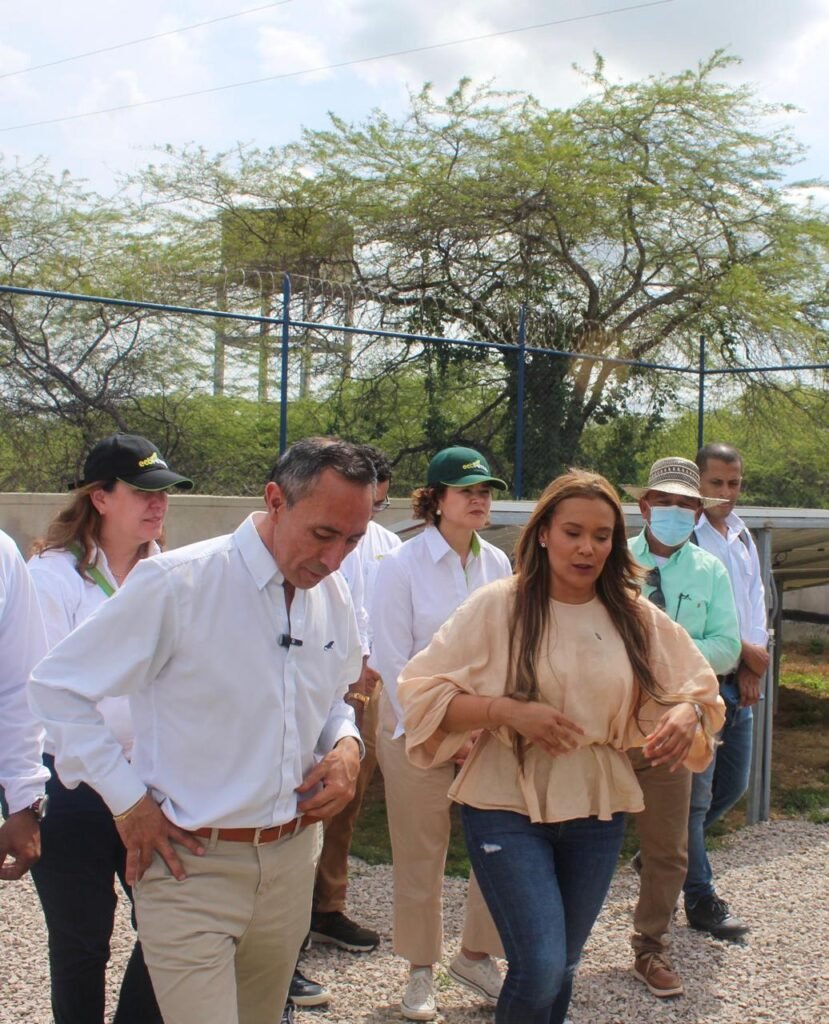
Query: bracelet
(361,697)
(128,811)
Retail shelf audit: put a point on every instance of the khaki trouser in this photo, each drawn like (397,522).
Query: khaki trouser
(221,945)
(419,824)
(332,873)
(663,843)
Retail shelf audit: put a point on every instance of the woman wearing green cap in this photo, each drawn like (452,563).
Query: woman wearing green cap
(417,589)
(114,518)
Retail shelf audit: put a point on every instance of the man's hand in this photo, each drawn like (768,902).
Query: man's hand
(755,658)
(336,776)
(145,830)
(670,742)
(20,839)
(749,686)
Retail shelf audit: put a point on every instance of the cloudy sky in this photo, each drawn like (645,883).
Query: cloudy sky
(48,76)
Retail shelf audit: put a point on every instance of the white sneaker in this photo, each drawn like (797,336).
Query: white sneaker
(482,976)
(419,997)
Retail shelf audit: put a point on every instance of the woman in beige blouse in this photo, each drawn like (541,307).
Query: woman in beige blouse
(564,666)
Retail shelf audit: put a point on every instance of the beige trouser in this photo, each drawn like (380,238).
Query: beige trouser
(221,945)
(663,843)
(332,873)
(419,824)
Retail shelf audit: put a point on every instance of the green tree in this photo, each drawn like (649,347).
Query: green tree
(89,366)
(645,215)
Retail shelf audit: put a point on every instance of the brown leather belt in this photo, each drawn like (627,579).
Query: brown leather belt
(257,836)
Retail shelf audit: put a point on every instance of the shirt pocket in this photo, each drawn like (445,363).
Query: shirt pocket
(691,612)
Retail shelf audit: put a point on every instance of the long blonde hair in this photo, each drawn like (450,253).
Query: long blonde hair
(618,588)
(77,528)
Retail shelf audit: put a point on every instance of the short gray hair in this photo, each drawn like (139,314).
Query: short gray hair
(300,466)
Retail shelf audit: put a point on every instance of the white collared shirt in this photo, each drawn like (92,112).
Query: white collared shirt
(417,588)
(365,559)
(227,720)
(22,644)
(66,600)
(743,565)
(352,571)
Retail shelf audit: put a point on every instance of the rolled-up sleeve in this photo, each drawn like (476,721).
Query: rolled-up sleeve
(468,654)
(341,721)
(682,674)
(117,651)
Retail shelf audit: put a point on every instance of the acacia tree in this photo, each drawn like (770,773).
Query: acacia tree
(92,367)
(645,215)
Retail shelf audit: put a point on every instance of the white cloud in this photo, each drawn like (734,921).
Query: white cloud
(783,45)
(283,51)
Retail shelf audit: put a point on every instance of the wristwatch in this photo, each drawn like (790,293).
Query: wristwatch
(354,695)
(39,807)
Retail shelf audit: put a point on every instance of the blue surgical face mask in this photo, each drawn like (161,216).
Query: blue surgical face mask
(672,525)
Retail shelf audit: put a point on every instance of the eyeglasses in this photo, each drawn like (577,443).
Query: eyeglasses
(381,506)
(653,579)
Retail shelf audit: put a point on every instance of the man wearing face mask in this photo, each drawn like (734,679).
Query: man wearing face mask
(693,588)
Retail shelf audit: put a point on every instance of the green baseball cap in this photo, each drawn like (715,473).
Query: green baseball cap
(460,467)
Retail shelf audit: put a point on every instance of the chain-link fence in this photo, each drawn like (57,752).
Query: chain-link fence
(256,362)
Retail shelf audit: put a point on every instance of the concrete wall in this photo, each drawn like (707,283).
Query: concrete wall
(191,517)
(809,599)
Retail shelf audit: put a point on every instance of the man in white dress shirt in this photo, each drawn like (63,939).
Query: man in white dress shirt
(22,775)
(329,923)
(714,791)
(236,653)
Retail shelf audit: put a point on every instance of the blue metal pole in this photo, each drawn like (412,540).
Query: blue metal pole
(283,381)
(518,489)
(701,400)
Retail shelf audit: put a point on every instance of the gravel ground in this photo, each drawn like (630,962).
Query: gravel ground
(776,875)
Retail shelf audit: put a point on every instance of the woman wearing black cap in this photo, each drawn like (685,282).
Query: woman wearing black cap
(114,518)
(417,588)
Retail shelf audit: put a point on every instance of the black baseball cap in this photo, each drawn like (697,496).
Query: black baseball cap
(132,459)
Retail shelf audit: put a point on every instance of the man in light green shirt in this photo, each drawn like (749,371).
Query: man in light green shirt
(693,588)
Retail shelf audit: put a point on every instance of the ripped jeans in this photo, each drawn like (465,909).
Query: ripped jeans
(544,886)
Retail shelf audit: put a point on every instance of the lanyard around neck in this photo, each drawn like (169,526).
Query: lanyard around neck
(92,571)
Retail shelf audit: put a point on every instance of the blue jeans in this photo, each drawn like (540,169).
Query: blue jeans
(82,854)
(715,791)
(544,886)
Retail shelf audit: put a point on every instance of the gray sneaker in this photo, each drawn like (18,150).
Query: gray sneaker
(419,998)
(482,976)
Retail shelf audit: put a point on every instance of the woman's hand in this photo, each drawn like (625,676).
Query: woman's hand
(466,749)
(670,742)
(541,724)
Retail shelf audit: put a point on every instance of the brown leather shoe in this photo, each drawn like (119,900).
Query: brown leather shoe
(656,971)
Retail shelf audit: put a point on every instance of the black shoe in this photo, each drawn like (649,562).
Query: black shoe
(305,992)
(288,1013)
(711,914)
(338,930)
